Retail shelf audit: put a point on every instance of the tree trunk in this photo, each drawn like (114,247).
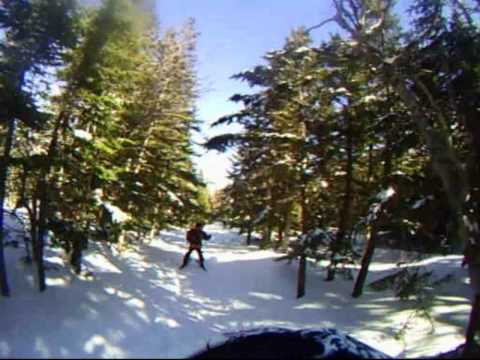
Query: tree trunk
(473,128)
(4,167)
(304,216)
(345,212)
(43,188)
(75,256)
(288,225)
(473,171)
(472,328)
(38,234)
(32,213)
(280,236)
(249,234)
(267,236)
(302,264)
(37,245)
(331,270)
(366,259)
(302,269)
(21,201)
(370,164)
(387,158)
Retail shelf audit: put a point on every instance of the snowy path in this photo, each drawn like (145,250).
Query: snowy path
(140,305)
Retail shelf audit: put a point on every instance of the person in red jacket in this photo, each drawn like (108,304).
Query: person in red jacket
(194,238)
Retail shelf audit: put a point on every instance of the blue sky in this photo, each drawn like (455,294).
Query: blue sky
(234,35)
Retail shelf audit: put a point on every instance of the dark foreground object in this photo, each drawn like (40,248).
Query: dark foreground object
(461,352)
(284,343)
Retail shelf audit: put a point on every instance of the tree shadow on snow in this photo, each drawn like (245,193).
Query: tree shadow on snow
(143,306)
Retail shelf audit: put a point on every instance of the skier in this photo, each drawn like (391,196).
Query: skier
(194,238)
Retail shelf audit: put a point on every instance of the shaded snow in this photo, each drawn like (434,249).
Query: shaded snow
(139,305)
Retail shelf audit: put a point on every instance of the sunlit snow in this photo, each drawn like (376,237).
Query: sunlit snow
(138,304)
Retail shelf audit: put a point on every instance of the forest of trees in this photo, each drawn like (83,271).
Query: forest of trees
(97,113)
(371,136)
(374,131)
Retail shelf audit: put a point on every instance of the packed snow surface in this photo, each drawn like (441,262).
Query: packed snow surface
(138,304)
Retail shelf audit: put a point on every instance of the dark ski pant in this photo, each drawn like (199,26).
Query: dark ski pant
(186,258)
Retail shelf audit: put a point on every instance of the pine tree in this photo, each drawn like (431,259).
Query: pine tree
(118,158)
(35,34)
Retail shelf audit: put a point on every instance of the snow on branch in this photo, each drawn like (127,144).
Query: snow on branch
(261,216)
(375,209)
(82,134)
(280,136)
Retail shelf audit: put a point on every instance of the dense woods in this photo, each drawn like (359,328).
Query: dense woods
(369,138)
(371,135)
(98,111)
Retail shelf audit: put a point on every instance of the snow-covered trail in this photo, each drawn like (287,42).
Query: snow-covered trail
(140,305)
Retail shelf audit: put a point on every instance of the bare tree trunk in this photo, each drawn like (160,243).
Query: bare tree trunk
(249,234)
(370,164)
(4,288)
(345,212)
(267,236)
(302,264)
(387,157)
(472,328)
(43,188)
(75,256)
(41,233)
(37,244)
(366,259)
(280,236)
(288,225)
(302,269)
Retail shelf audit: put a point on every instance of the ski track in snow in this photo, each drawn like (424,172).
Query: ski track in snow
(138,304)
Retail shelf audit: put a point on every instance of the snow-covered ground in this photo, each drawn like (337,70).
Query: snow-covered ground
(138,304)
